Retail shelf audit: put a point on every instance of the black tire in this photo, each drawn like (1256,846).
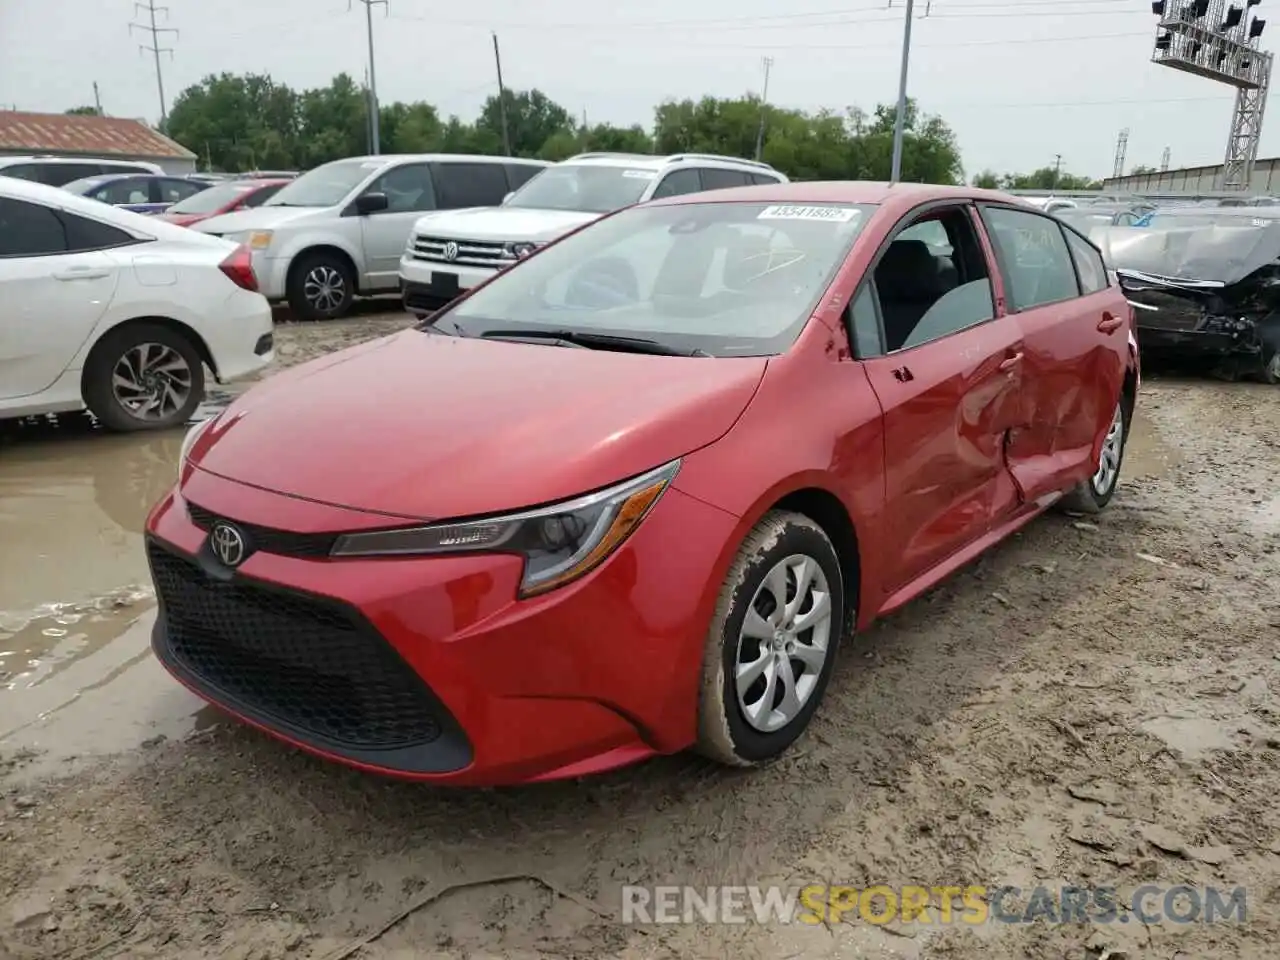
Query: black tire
(321,267)
(1271,368)
(1087,496)
(99,369)
(724,732)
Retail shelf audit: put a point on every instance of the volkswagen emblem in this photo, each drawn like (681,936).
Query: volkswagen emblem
(450,251)
(227,544)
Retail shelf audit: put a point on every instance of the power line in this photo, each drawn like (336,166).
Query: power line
(150,27)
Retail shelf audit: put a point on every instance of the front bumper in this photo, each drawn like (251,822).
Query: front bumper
(429,668)
(440,281)
(1174,342)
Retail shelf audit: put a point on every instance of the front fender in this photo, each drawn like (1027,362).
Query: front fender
(298,243)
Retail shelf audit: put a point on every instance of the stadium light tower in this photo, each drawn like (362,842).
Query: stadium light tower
(1219,40)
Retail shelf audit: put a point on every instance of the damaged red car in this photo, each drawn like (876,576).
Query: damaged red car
(628,497)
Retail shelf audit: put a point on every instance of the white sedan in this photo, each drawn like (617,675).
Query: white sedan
(118,312)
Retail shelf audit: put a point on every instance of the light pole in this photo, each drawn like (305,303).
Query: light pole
(900,122)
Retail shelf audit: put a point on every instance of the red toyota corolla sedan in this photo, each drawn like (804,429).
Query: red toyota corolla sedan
(222,198)
(627,497)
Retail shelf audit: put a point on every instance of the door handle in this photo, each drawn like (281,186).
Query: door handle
(1010,362)
(1110,323)
(81,273)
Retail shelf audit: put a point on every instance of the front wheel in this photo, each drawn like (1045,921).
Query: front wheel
(772,643)
(321,286)
(1092,495)
(1271,368)
(143,376)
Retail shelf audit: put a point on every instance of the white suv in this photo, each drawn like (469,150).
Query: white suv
(337,231)
(452,252)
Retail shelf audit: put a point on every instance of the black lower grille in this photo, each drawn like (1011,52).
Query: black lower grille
(283,543)
(311,663)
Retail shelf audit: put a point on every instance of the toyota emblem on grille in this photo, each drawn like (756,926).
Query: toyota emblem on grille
(227,544)
(450,251)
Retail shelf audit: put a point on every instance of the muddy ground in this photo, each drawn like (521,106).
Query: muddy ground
(1090,704)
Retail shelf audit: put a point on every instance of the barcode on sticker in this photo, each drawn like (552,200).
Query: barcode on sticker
(639,174)
(793,212)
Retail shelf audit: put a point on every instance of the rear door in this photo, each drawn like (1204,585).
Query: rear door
(1074,328)
(57,284)
(945,365)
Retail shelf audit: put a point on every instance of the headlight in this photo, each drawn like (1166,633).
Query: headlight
(259,239)
(559,543)
(518,251)
(189,441)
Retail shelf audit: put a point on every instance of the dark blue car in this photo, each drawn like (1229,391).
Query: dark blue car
(142,193)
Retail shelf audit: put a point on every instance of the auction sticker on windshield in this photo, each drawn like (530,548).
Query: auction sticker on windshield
(792,212)
(639,174)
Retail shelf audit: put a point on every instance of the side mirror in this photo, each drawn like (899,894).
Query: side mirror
(368,203)
(509,195)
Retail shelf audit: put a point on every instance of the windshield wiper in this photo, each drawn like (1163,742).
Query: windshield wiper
(596,341)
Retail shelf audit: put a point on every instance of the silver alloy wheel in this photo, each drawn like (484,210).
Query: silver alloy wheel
(783,644)
(324,288)
(1109,463)
(151,381)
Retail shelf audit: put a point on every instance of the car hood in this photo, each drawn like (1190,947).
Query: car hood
(260,218)
(424,425)
(508,224)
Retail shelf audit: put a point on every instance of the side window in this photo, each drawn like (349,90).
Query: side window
(1034,257)
(66,172)
(864,323)
(762,179)
(518,174)
(123,191)
(717,179)
(34,172)
(931,290)
(408,188)
(171,191)
(259,197)
(85,234)
(678,182)
(29,230)
(460,185)
(1089,265)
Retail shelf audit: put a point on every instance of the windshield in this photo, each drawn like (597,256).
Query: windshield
(587,188)
(327,185)
(1175,221)
(727,279)
(215,198)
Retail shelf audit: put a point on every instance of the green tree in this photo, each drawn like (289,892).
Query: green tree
(533,118)
(1048,178)
(1141,170)
(84,112)
(987,180)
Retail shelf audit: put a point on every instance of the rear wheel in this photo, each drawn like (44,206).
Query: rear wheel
(322,286)
(772,643)
(1092,495)
(143,376)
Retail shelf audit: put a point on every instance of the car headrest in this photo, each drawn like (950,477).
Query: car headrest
(908,271)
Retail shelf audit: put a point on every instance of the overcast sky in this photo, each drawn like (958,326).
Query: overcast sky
(1018,80)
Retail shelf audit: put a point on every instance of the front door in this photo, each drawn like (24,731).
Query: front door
(1074,333)
(385,234)
(949,382)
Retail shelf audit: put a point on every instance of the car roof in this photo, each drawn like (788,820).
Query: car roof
(893,196)
(36,158)
(646,161)
(388,158)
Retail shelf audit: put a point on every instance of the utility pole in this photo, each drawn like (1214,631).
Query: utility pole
(899,125)
(502,97)
(1122,147)
(764,102)
(97,99)
(1164,160)
(375,133)
(1057,169)
(370,138)
(150,27)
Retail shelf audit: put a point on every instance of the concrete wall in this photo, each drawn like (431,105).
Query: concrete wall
(1266,179)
